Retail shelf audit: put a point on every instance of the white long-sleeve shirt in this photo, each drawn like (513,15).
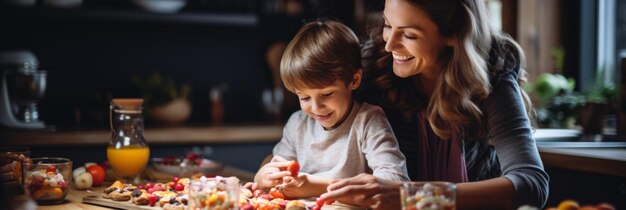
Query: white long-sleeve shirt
(363,143)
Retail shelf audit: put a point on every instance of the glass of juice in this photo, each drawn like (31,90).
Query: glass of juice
(128,153)
(428,196)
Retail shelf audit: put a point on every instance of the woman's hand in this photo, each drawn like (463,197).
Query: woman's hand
(365,190)
(272,173)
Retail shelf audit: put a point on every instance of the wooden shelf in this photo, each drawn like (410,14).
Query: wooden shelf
(138,16)
(173,135)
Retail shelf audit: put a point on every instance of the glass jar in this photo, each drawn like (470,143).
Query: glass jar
(128,153)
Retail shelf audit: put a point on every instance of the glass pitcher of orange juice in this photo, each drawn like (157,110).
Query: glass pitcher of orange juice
(128,153)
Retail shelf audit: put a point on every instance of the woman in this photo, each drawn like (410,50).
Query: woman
(450,87)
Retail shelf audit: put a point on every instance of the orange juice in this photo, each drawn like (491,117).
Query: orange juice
(128,161)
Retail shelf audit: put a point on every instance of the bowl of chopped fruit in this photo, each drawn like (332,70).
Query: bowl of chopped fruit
(47,179)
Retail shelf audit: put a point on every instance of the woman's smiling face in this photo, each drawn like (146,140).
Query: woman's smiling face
(413,39)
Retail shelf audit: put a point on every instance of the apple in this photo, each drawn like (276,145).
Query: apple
(97,173)
(83,181)
(78,171)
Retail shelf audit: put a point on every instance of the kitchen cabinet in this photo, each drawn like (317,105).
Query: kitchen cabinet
(229,19)
(91,54)
(588,172)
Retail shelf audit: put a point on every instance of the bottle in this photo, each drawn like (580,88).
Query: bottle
(128,152)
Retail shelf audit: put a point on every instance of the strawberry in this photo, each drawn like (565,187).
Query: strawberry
(294,168)
(319,202)
(153,199)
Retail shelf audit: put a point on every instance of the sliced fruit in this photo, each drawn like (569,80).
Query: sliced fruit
(276,194)
(568,205)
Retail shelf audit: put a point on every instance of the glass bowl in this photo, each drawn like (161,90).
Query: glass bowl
(176,167)
(214,193)
(11,161)
(47,179)
(428,196)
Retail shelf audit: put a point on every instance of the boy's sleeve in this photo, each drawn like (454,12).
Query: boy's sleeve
(285,147)
(381,148)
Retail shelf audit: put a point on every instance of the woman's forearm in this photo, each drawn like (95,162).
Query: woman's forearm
(489,194)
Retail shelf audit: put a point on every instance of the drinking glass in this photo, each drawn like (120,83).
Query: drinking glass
(128,153)
(428,196)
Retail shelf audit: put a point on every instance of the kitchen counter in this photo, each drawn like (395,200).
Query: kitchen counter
(602,160)
(169,135)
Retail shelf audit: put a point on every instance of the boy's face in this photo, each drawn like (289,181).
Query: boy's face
(329,105)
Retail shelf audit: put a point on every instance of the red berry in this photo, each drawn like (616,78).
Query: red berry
(141,187)
(63,185)
(176,179)
(294,168)
(52,169)
(179,187)
(319,202)
(316,208)
(152,200)
(151,190)
(172,184)
(149,185)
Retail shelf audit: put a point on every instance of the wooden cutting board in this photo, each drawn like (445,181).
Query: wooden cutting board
(101,201)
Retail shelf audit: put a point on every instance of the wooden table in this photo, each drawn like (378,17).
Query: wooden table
(74,199)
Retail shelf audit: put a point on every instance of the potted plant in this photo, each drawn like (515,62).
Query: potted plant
(556,102)
(165,102)
(599,99)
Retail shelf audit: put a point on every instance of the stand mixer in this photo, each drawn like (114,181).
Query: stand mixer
(22,86)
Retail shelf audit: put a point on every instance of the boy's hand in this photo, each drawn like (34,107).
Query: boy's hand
(252,186)
(271,174)
(292,187)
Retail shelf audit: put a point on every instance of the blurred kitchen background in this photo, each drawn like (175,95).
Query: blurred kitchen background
(92,49)
(221,57)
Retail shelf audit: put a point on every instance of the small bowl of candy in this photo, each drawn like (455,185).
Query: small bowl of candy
(428,196)
(214,193)
(47,179)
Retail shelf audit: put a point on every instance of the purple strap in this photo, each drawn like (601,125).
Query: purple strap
(440,160)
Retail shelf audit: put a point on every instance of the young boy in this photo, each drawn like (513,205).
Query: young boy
(333,136)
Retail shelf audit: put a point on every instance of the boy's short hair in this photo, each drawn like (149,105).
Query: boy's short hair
(321,52)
